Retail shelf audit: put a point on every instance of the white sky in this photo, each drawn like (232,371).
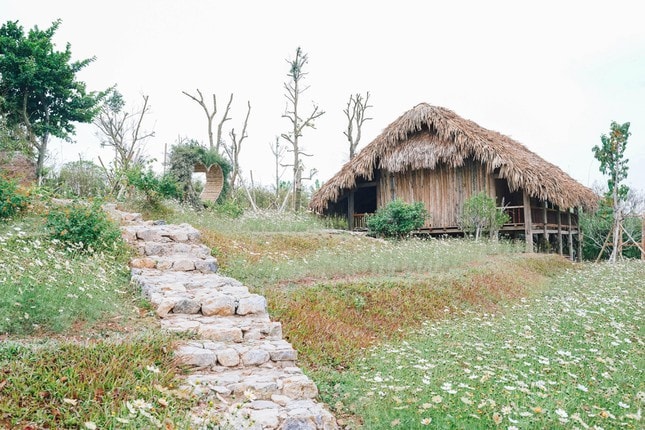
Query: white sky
(550,74)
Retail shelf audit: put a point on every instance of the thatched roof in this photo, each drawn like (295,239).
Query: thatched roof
(428,135)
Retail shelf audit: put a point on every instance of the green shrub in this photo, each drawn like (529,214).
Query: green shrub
(397,219)
(230,208)
(82,179)
(83,226)
(480,214)
(12,200)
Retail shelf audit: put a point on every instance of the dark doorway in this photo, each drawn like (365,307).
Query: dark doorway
(365,200)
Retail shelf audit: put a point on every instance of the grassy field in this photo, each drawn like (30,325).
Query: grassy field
(76,348)
(448,334)
(409,334)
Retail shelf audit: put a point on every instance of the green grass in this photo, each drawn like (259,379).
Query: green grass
(127,384)
(569,357)
(46,287)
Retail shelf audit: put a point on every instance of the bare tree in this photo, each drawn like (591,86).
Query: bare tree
(210,115)
(124,131)
(298,123)
(355,113)
(278,154)
(233,149)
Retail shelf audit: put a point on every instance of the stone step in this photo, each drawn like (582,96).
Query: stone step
(259,399)
(177,263)
(261,383)
(158,249)
(165,233)
(217,355)
(236,329)
(187,294)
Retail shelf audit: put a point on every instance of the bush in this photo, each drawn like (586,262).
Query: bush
(480,214)
(82,179)
(397,219)
(83,226)
(12,200)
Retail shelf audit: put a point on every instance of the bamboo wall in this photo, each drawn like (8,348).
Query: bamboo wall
(443,190)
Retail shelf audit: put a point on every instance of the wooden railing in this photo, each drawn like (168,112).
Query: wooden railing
(359,221)
(516,216)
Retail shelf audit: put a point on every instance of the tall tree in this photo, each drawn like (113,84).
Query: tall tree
(293,91)
(210,116)
(611,154)
(357,105)
(233,148)
(38,87)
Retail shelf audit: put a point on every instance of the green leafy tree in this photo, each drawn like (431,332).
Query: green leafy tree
(39,92)
(480,214)
(397,219)
(611,154)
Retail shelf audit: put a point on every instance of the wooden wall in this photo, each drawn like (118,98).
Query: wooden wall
(443,190)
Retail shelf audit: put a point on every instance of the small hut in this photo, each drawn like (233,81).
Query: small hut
(432,155)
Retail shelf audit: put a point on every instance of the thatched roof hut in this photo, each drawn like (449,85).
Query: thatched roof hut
(426,137)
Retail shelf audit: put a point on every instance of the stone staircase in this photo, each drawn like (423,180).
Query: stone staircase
(243,373)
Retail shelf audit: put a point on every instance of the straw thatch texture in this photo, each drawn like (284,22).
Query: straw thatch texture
(214,181)
(426,136)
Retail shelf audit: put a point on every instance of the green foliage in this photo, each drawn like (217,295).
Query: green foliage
(13,138)
(230,208)
(480,214)
(84,227)
(397,219)
(82,178)
(154,187)
(12,199)
(39,86)
(611,155)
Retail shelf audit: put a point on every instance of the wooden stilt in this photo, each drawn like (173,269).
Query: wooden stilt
(528,223)
(570,241)
(559,232)
(350,210)
(545,235)
(577,212)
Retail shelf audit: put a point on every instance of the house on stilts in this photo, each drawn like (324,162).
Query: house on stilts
(432,155)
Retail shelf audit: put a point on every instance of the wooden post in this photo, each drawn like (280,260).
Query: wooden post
(643,239)
(570,235)
(528,223)
(350,210)
(559,231)
(577,212)
(545,235)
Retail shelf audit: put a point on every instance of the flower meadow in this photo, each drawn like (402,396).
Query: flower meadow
(48,285)
(570,356)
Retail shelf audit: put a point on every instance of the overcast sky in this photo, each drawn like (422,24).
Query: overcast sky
(550,74)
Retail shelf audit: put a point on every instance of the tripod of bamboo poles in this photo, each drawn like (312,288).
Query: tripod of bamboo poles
(621,244)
